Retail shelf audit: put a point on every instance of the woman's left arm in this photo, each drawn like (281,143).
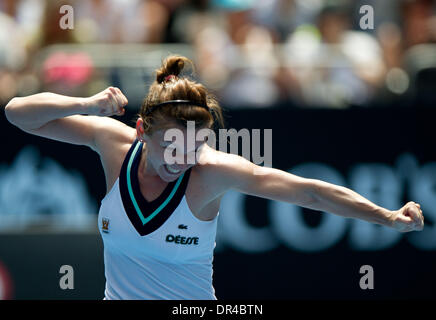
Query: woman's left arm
(240,174)
(347,203)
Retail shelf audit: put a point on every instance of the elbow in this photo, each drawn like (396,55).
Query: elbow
(10,111)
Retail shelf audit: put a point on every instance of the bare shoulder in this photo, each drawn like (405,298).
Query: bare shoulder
(219,171)
(213,175)
(214,164)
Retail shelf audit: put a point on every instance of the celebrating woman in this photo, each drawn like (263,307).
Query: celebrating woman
(158,219)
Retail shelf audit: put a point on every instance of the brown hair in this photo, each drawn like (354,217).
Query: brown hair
(169,86)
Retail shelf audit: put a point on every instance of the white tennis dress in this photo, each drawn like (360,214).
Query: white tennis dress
(157,249)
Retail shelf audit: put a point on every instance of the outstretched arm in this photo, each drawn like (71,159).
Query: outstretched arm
(235,172)
(347,203)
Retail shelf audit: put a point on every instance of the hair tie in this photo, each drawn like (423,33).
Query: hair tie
(169,77)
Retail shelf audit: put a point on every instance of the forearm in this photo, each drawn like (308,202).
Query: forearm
(34,111)
(347,203)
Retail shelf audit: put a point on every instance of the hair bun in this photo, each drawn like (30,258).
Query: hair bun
(171,66)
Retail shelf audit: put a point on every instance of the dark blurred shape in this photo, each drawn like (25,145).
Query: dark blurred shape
(6,283)
(420,63)
(51,33)
(416,21)
(333,20)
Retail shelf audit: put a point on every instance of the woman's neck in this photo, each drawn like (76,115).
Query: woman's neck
(144,168)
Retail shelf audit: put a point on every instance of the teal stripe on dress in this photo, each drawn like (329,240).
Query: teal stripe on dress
(132,196)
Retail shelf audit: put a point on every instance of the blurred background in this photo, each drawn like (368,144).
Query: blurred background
(347,104)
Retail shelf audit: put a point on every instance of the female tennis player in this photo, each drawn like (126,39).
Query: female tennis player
(158,220)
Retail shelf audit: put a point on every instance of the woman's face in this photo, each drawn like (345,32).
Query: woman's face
(168,156)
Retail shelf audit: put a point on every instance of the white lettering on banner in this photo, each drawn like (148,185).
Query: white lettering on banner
(380,183)
(29,191)
(35,189)
(238,232)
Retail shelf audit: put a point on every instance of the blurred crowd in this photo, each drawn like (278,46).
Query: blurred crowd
(304,53)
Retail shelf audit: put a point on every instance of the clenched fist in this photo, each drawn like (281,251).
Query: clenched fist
(408,218)
(109,102)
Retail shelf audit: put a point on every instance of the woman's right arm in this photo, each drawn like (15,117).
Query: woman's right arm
(63,118)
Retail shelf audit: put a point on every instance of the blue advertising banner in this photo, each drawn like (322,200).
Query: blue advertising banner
(50,194)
